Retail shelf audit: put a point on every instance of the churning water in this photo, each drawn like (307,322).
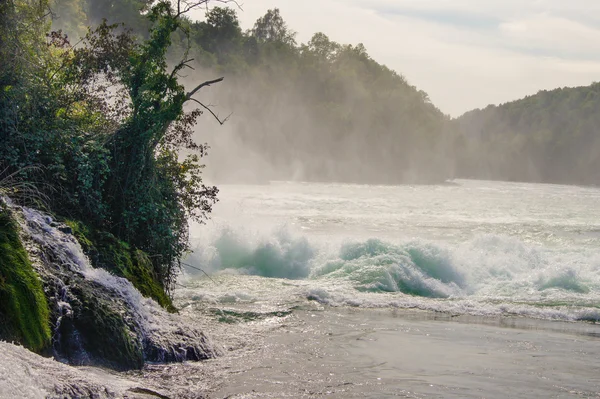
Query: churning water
(465,290)
(483,248)
(471,289)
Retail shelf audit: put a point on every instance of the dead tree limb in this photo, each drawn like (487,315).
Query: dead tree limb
(184,6)
(221,122)
(189,95)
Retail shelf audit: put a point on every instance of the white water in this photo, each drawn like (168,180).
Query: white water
(483,248)
(39,227)
(166,333)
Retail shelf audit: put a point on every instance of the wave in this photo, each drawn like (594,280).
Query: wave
(280,255)
(378,266)
(489,266)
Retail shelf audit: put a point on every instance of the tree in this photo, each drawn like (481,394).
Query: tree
(322,47)
(272,28)
(69,16)
(105,121)
(151,195)
(220,34)
(130,13)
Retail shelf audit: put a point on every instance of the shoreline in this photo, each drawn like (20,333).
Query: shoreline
(351,352)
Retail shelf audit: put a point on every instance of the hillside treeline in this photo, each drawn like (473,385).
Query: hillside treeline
(321,110)
(550,137)
(318,111)
(326,111)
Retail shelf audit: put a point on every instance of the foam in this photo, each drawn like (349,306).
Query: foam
(487,275)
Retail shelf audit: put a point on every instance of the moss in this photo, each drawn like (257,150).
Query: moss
(109,253)
(104,333)
(24,313)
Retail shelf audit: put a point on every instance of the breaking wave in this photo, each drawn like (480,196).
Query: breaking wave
(492,267)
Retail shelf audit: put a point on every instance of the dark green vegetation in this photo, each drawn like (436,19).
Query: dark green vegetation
(118,257)
(24,314)
(103,124)
(550,137)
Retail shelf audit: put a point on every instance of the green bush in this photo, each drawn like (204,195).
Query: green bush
(103,124)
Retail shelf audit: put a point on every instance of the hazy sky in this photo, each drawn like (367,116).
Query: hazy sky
(464,53)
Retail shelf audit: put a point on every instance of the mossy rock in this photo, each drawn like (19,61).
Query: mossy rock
(99,329)
(109,253)
(24,313)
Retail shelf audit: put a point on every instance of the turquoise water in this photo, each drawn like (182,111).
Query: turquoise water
(465,247)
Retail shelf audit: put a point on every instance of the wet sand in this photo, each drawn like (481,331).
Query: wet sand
(346,353)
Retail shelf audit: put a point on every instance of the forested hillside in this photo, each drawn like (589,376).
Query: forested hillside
(552,137)
(326,111)
(315,111)
(320,110)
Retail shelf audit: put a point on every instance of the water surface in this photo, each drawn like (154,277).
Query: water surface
(470,289)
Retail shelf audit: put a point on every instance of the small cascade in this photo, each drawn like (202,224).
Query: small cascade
(99,318)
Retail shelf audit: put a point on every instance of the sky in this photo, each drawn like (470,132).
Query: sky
(465,54)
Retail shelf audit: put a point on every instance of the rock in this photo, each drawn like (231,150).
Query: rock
(65,229)
(26,375)
(99,318)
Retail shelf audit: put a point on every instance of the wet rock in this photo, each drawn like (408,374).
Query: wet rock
(65,229)
(26,375)
(99,318)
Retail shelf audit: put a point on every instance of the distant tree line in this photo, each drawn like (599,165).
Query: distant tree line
(552,137)
(321,110)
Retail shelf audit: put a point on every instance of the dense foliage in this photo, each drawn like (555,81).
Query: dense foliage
(548,137)
(103,123)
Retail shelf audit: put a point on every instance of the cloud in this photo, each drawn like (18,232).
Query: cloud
(547,35)
(464,53)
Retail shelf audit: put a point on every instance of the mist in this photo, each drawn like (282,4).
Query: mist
(317,111)
(323,111)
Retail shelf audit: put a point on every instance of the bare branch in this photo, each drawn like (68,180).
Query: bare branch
(221,122)
(189,95)
(188,6)
(182,64)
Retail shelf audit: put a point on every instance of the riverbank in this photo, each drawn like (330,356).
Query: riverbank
(316,351)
